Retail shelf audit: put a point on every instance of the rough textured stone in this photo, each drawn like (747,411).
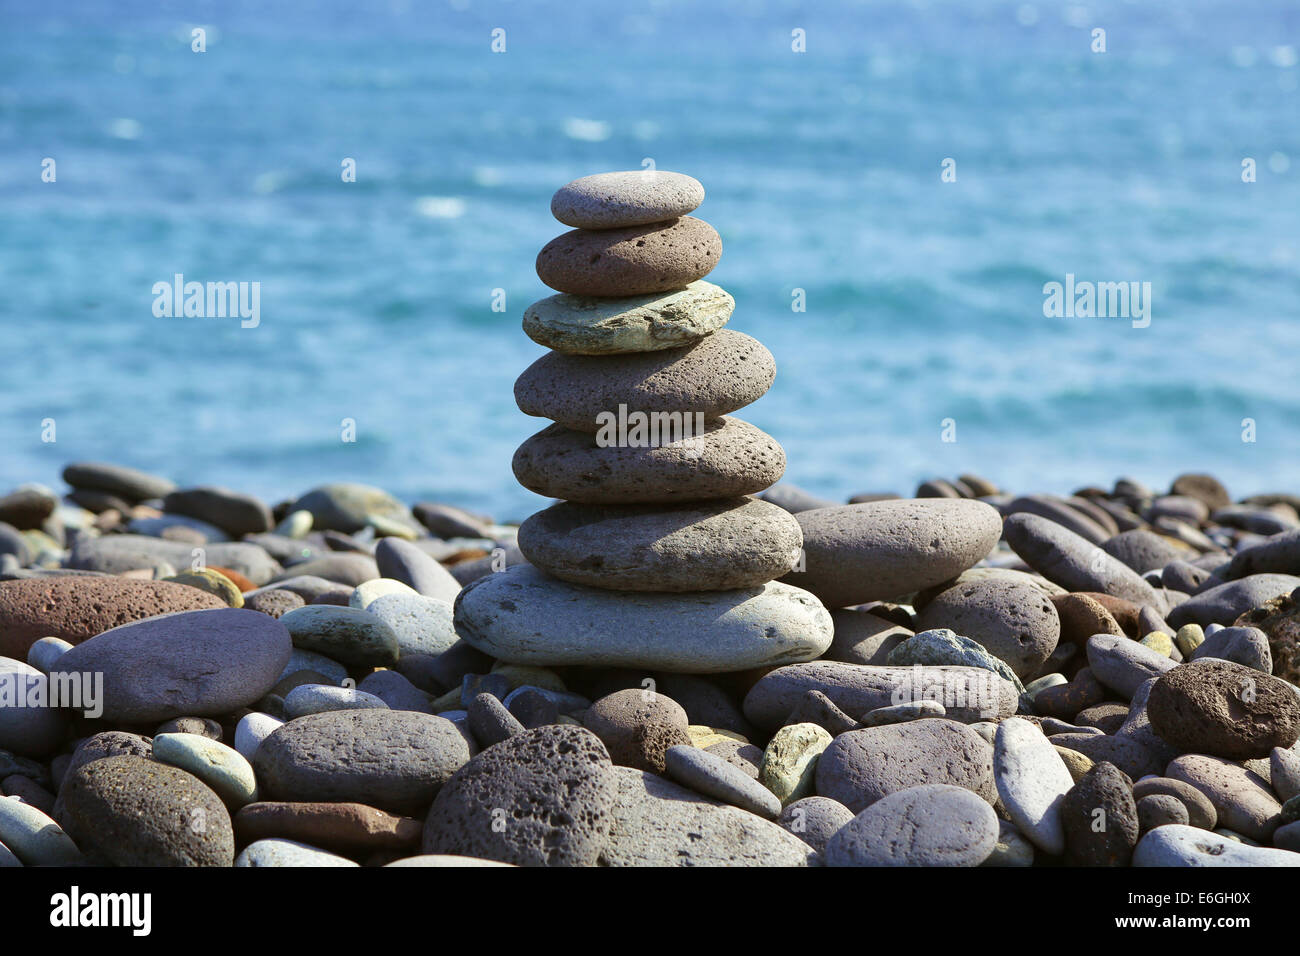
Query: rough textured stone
(728,459)
(627,198)
(585,325)
(544,797)
(631,260)
(885,549)
(706,546)
(1223,709)
(193,663)
(347,828)
(1015,622)
(525,617)
(926,825)
(637,727)
(815,820)
(1073,562)
(1242,799)
(392,759)
(724,372)
(1100,819)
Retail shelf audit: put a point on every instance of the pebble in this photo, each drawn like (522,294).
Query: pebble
(901,713)
(301,660)
(346,828)
(927,825)
(192,663)
(395,691)
(344,569)
(75,608)
(33,837)
(585,325)
(943,647)
(728,459)
(119,553)
(1082,616)
(233,512)
(1284,772)
(1176,845)
(392,759)
(408,563)
(1224,603)
(1144,550)
(1200,811)
(815,820)
(1100,818)
(542,797)
(348,506)
(863,638)
(322,698)
(967,694)
(1013,621)
(211,582)
(490,722)
(367,592)
(714,777)
(222,768)
(789,765)
(345,634)
(288,853)
(1075,762)
(723,372)
(860,767)
(422,625)
(705,546)
(1247,646)
(638,727)
(129,811)
(656,822)
(251,730)
(1124,665)
(1243,801)
(814,707)
(1011,849)
(744,756)
(630,198)
(1223,709)
(1032,782)
(1073,562)
(1159,810)
(525,617)
(631,260)
(129,483)
(886,549)
(30,723)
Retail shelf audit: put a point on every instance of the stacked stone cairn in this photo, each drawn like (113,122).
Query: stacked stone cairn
(658,557)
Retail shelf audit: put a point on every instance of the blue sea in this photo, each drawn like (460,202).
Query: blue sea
(824,171)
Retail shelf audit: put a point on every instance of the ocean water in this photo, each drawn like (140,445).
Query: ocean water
(924,298)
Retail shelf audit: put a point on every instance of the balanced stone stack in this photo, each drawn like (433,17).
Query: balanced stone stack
(657,557)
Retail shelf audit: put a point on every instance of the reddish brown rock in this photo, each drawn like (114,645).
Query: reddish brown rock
(1082,616)
(635,260)
(235,577)
(1279,619)
(77,607)
(1223,709)
(1123,611)
(352,829)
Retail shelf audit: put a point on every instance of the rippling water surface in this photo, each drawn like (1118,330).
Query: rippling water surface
(924,298)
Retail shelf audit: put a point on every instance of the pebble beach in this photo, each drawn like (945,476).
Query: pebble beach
(682,661)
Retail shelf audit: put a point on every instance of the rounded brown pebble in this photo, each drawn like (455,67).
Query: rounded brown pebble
(1065,701)
(626,198)
(348,828)
(731,458)
(633,260)
(1081,617)
(637,727)
(721,373)
(1160,809)
(704,546)
(1223,709)
(77,607)
(1200,811)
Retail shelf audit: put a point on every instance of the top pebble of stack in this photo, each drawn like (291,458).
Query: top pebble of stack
(632,198)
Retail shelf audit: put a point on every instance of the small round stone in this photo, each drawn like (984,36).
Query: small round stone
(631,260)
(637,727)
(628,198)
(490,722)
(927,825)
(1160,809)
(815,820)
(320,698)
(222,768)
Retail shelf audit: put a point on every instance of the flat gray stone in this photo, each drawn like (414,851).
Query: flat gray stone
(1073,562)
(627,198)
(706,546)
(1124,665)
(414,567)
(1176,845)
(714,777)
(1242,799)
(1224,603)
(1032,782)
(345,634)
(525,617)
(423,625)
(321,698)
(927,825)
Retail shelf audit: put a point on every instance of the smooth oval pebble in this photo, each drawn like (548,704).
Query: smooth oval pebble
(222,768)
(365,593)
(586,325)
(886,549)
(189,664)
(728,459)
(631,260)
(278,852)
(713,546)
(1177,845)
(712,776)
(409,563)
(1124,665)
(43,653)
(927,825)
(1242,799)
(252,729)
(1073,562)
(626,198)
(34,837)
(321,698)
(422,624)
(345,634)
(526,617)
(1032,782)
(723,372)
(31,723)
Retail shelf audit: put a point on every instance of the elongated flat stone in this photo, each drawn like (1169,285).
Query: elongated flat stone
(626,198)
(524,616)
(1032,781)
(588,325)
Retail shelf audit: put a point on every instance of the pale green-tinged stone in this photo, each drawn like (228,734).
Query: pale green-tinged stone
(942,646)
(588,325)
(346,634)
(1160,642)
(43,653)
(296,524)
(386,527)
(222,768)
(1189,638)
(789,763)
(33,837)
(211,582)
(364,594)
(1075,762)
(1044,682)
(1012,849)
